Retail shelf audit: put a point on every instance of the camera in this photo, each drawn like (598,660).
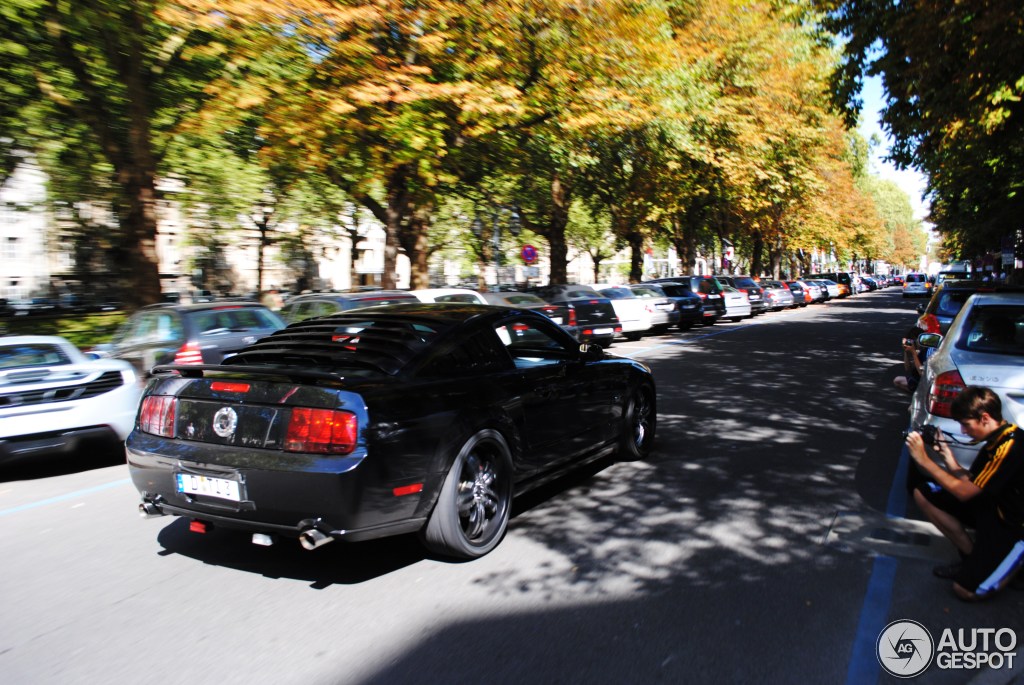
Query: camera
(929,433)
(908,342)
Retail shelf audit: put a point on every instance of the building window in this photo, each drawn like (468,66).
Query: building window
(10,248)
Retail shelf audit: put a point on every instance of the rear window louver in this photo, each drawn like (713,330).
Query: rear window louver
(109,380)
(344,340)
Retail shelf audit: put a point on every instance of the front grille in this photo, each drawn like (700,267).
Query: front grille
(109,380)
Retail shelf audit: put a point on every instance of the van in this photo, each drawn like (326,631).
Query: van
(916,285)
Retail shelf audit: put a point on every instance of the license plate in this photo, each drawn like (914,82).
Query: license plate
(221,488)
(714,297)
(556,319)
(602,331)
(666,307)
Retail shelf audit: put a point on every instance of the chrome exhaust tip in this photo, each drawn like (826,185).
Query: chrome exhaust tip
(148,510)
(311,538)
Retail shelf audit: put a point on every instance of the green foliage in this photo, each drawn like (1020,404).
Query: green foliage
(84,330)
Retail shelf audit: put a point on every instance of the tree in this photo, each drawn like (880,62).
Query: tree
(120,76)
(952,74)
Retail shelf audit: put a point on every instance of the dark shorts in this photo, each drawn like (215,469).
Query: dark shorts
(998,549)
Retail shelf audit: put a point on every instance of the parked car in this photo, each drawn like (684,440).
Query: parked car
(663,309)
(561,314)
(817,291)
(897,279)
(829,289)
(801,296)
(777,295)
(593,312)
(946,302)
(308,305)
(203,333)
(916,285)
(707,288)
(747,285)
(689,305)
(638,315)
(737,306)
(422,418)
(984,345)
(844,279)
(55,399)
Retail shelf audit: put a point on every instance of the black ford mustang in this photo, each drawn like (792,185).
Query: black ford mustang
(387,420)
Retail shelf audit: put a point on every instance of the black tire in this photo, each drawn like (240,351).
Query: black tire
(472,511)
(632,336)
(639,421)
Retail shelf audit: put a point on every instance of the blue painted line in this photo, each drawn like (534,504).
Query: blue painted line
(874,611)
(874,616)
(62,498)
(897,505)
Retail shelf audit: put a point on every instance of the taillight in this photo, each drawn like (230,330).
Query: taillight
(944,390)
(929,323)
(324,431)
(156,415)
(703,296)
(572,315)
(189,354)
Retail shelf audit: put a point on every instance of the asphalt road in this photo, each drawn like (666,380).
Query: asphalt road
(764,541)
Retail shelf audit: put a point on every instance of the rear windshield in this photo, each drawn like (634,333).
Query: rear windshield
(346,341)
(646,291)
(676,290)
(951,302)
(617,293)
(743,282)
(995,330)
(214,321)
(709,285)
(916,278)
(522,298)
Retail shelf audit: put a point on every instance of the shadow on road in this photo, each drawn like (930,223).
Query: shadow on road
(94,455)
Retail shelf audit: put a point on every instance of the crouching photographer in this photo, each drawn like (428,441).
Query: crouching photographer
(988,497)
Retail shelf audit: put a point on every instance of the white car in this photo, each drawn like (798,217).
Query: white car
(53,398)
(983,346)
(737,304)
(916,285)
(449,295)
(630,309)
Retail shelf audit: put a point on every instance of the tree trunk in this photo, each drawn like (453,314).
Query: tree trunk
(636,256)
(139,262)
(397,214)
(559,255)
(757,255)
(416,244)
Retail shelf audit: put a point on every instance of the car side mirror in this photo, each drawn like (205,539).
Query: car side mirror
(591,353)
(930,340)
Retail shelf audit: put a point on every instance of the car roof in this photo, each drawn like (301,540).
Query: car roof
(350,295)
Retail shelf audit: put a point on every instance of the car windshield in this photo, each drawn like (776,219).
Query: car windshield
(745,283)
(995,330)
(31,354)
(709,285)
(617,293)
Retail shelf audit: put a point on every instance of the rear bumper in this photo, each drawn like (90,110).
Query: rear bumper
(281,494)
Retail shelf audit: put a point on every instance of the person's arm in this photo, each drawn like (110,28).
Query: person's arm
(956,481)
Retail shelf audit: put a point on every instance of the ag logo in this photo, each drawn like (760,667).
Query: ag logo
(905,648)
(225,421)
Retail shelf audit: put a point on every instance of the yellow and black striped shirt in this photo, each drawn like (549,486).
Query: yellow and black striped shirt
(999,472)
